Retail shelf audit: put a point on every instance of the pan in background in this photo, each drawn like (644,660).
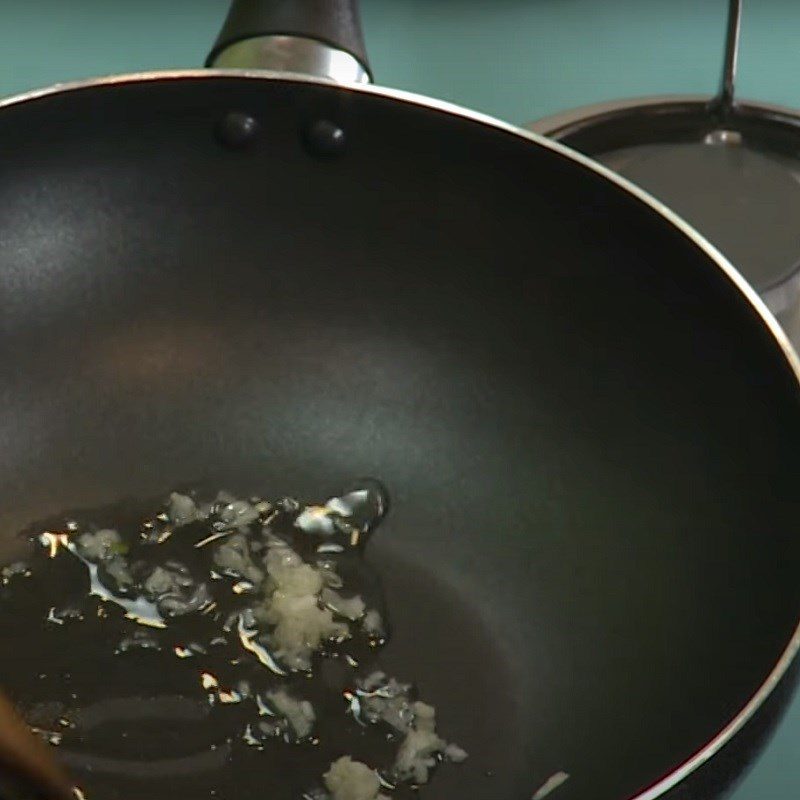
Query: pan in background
(730,168)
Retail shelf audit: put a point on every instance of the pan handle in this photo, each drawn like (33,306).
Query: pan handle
(316,37)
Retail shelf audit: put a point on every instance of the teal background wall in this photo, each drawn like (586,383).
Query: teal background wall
(515,59)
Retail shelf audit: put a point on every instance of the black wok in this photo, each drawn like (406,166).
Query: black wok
(588,423)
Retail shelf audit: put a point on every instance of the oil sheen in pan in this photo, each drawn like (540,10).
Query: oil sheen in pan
(135,700)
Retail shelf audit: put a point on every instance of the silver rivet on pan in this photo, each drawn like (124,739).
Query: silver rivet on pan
(237,130)
(325,138)
(723,137)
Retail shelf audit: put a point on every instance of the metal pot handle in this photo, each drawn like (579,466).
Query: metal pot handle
(722,104)
(315,37)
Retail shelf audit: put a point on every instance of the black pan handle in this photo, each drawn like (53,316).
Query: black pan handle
(321,37)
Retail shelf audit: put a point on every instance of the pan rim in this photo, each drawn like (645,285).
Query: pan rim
(555,124)
(737,723)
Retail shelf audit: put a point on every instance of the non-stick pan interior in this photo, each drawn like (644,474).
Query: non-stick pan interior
(589,435)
